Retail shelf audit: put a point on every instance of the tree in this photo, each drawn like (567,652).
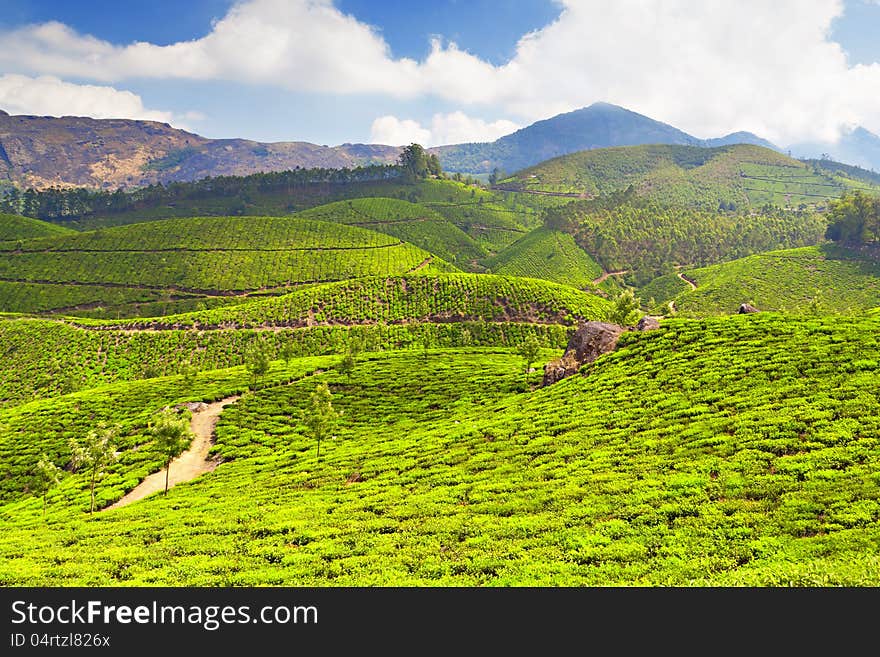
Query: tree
(529,350)
(854,219)
(93,454)
(319,416)
(287,353)
(47,477)
(188,373)
(172,435)
(347,364)
(414,162)
(258,365)
(625,310)
(434,167)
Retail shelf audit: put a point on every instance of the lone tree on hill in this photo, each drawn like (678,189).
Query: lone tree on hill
(529,350)
(188,373)
(320,416)
(93,454)
(173,435)
(48,476)
(349,359)
(287,353)
(347,364)
(417,164)
(258,365)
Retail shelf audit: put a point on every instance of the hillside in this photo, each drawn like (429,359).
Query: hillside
(438,298)
(738,176)
(701,453)
(547,254)
(43,151)
(647,239)
(416,224)
(811,280)
(193,260)
(14,227)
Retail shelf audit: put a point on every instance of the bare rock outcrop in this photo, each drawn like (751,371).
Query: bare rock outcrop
(591,340)
(747,308)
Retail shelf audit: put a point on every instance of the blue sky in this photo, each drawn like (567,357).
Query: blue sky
(446,70)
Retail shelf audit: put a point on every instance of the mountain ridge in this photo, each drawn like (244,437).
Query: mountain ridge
(69,151)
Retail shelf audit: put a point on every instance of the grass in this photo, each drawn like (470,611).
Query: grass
(416,224)
(744,175)
(42,358)
(439,298)
(198,257)
(810,280)
(741,450)
(550,255)
(14,227)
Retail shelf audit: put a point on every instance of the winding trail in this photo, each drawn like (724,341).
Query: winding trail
(189,465)
(687,280)
(605,276)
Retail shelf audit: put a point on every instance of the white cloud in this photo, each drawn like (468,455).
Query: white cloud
(300,44)
(708,67)
(49,96)
(396,132)
(452,128)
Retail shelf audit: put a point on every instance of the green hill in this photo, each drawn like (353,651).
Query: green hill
(14,227)
(399,300)
(730,451)
(826,279)
(548,254)
(406,221)
(194,260)
(648,239)
(741,175)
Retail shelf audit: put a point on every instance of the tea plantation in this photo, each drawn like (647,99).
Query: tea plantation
(548,254)
(193,259)
(811,280)
(738,450)
(377,348)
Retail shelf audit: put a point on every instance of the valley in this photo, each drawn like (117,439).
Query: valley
(360,353)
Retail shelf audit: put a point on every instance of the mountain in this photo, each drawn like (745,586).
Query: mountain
(598,126)
(42,151)
(857,146)
(601,125)
(739,138)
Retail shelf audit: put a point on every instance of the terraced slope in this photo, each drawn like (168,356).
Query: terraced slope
(742,175)
(187,259)
(14,227)
(45,358)
(439,298)
(406,221)
(811,280)
(548,254)
(742,450)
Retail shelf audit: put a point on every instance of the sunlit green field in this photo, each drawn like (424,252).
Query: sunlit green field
(741,450)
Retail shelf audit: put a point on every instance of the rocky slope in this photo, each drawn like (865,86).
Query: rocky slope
(41,152)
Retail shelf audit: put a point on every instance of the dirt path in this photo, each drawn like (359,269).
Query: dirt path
(605,276)
(188,465)
(687,280)
(424,263)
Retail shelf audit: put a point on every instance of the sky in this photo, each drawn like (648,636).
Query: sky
(444,71)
